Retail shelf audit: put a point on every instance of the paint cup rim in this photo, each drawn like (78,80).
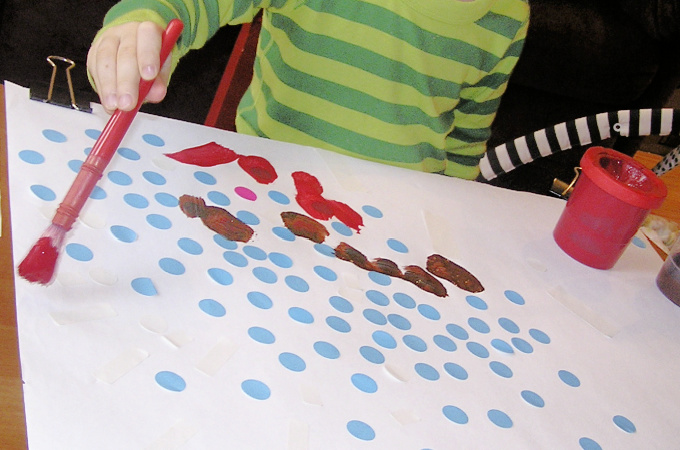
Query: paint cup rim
(648,195)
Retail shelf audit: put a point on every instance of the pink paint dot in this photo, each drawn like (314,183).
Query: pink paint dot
(245,193)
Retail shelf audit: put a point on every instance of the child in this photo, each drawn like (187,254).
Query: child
(413,83)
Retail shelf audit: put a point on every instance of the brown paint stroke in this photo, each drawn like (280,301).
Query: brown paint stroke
(421,278)
(450,271)
(413,274)
(217,219)
(304,226)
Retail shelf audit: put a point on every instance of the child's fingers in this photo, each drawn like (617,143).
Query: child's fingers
(127,71)
(102,60)
(159,87)
(149,37)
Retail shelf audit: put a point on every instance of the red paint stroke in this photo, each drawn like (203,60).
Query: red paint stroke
(304,226)
(309,198)
(213,154)
(424,280)
(207,155)
(258,168)
(39,264)
(217,219)
(452,272)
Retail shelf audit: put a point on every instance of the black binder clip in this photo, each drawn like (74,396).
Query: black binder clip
(57,95)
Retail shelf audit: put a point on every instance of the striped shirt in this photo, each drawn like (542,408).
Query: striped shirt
(412,83)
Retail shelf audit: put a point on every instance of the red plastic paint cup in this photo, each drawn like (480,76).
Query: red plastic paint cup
(609,202)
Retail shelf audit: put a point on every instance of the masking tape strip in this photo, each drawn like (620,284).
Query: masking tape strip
(438,229)
(405,416)
(217,357)
(310,395)
(175,437)
(298,435)
(584,311)
(84,313)
(178,338)
(121,364)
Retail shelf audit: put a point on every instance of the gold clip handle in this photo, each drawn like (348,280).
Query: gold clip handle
(51,59)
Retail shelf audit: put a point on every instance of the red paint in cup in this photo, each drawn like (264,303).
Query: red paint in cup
(610,200)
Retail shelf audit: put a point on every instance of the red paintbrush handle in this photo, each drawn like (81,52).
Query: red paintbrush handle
(107,143)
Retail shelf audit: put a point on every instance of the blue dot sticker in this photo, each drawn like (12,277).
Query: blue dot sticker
(397,246)
(92,133)
(136,200)
(404,300)
(154,178)
(476,302)
(220,276)
(279,197)
(43,192)
(261,335)
(123,234)
(456,371)
(212,307)
(128,153)
(31,157)
(205,177)
(296,283)
(265,275)
(364,383)
(79,252)
(327,350)
(171,266)
(360,430)
(380,278)
(166,199)
(154,140)
(444,343)
(372,211)
(589,444)
(533,398)
(414,343)
(256,389)
(144,286)
(372,354)
(625,424)
(514,297)
(158,221)
(540,336)
(170,381)
(375,316)
(260,300)
(281,260)
(119,178)
(325,273)
(341,304)
(342,229)
(292,362)
(54,136)
(499,418)
(427,371)
(338,324)
(455,414)
(378,298)
(235,259)
(569,378)
(300,315)
(384,339)
(190,246)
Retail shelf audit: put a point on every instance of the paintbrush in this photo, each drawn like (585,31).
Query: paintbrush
(39,264)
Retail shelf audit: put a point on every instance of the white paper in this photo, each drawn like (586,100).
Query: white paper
(353,361)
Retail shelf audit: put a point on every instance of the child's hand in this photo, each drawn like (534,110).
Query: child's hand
(120,56)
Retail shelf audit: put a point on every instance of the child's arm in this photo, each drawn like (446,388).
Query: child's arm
(120,56)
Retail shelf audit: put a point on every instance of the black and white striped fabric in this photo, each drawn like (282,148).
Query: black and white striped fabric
(583,131)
